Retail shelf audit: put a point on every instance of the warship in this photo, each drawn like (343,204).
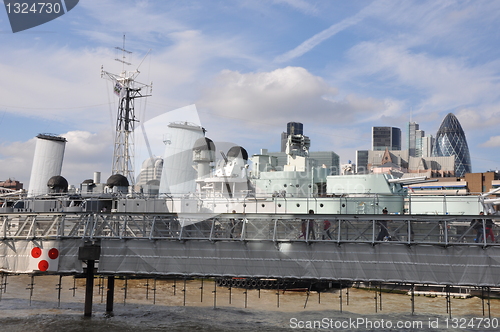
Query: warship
(192,194)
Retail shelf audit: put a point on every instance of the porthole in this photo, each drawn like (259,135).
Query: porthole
(298,205)
(279,205)
(321,205)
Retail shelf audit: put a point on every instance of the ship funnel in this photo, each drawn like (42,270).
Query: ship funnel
(97,177)
(203,156)
(47,162)
(176,177)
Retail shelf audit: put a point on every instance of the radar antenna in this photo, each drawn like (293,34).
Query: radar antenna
(127,89)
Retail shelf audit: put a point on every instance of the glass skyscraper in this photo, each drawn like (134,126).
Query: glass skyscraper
(450,141)
(386,137)
(292,128)
(414,140)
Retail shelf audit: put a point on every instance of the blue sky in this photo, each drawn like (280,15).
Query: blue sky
(251,66)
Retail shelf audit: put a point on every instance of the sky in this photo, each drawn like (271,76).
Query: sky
(249,67)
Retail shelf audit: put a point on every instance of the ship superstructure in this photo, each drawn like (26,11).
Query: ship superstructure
(195,181)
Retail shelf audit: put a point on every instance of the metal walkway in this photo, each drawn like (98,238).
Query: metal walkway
(378,248)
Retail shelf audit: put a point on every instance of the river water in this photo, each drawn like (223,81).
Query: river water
(193,306)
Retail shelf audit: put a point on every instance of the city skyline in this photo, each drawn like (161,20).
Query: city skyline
(250,67)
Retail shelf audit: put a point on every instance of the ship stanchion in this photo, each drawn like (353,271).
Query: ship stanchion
(31,287)
(448,300)
(154,290)
(380,296)
(307,295)
(278,297)
(101,287)
(1,286)
(412,299)
(58,288)
(125,290)
(375,298)
(215,295)
(230,293)
(147,288)
(340,296)
(201,291)
(74,288)
(489,304)
(110,294)
(246,296)
(482,298)
(184,293)
(174,286)
(5,283)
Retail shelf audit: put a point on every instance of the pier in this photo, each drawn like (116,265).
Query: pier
(427,249)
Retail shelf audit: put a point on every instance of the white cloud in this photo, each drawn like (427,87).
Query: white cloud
(283,95)
(85,153)
(140,20)
(444,82)
(16,159)
(56,84)
(320,37)
(493,142)
(300,5)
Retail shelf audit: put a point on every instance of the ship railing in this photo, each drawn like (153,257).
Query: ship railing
(339,229)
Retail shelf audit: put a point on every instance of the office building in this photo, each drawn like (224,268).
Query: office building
(362,162)
(292,128)
(451,141)
(414,140)
(386,138)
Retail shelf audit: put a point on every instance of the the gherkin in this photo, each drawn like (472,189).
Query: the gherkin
(451,141)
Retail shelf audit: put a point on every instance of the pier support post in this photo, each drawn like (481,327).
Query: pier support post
(90,252)
(89,288)
(110,294)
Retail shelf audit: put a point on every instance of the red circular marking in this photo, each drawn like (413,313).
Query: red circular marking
(53,253)
(43,265)
(36,252)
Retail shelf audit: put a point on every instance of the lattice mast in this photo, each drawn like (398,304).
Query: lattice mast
(127,89)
